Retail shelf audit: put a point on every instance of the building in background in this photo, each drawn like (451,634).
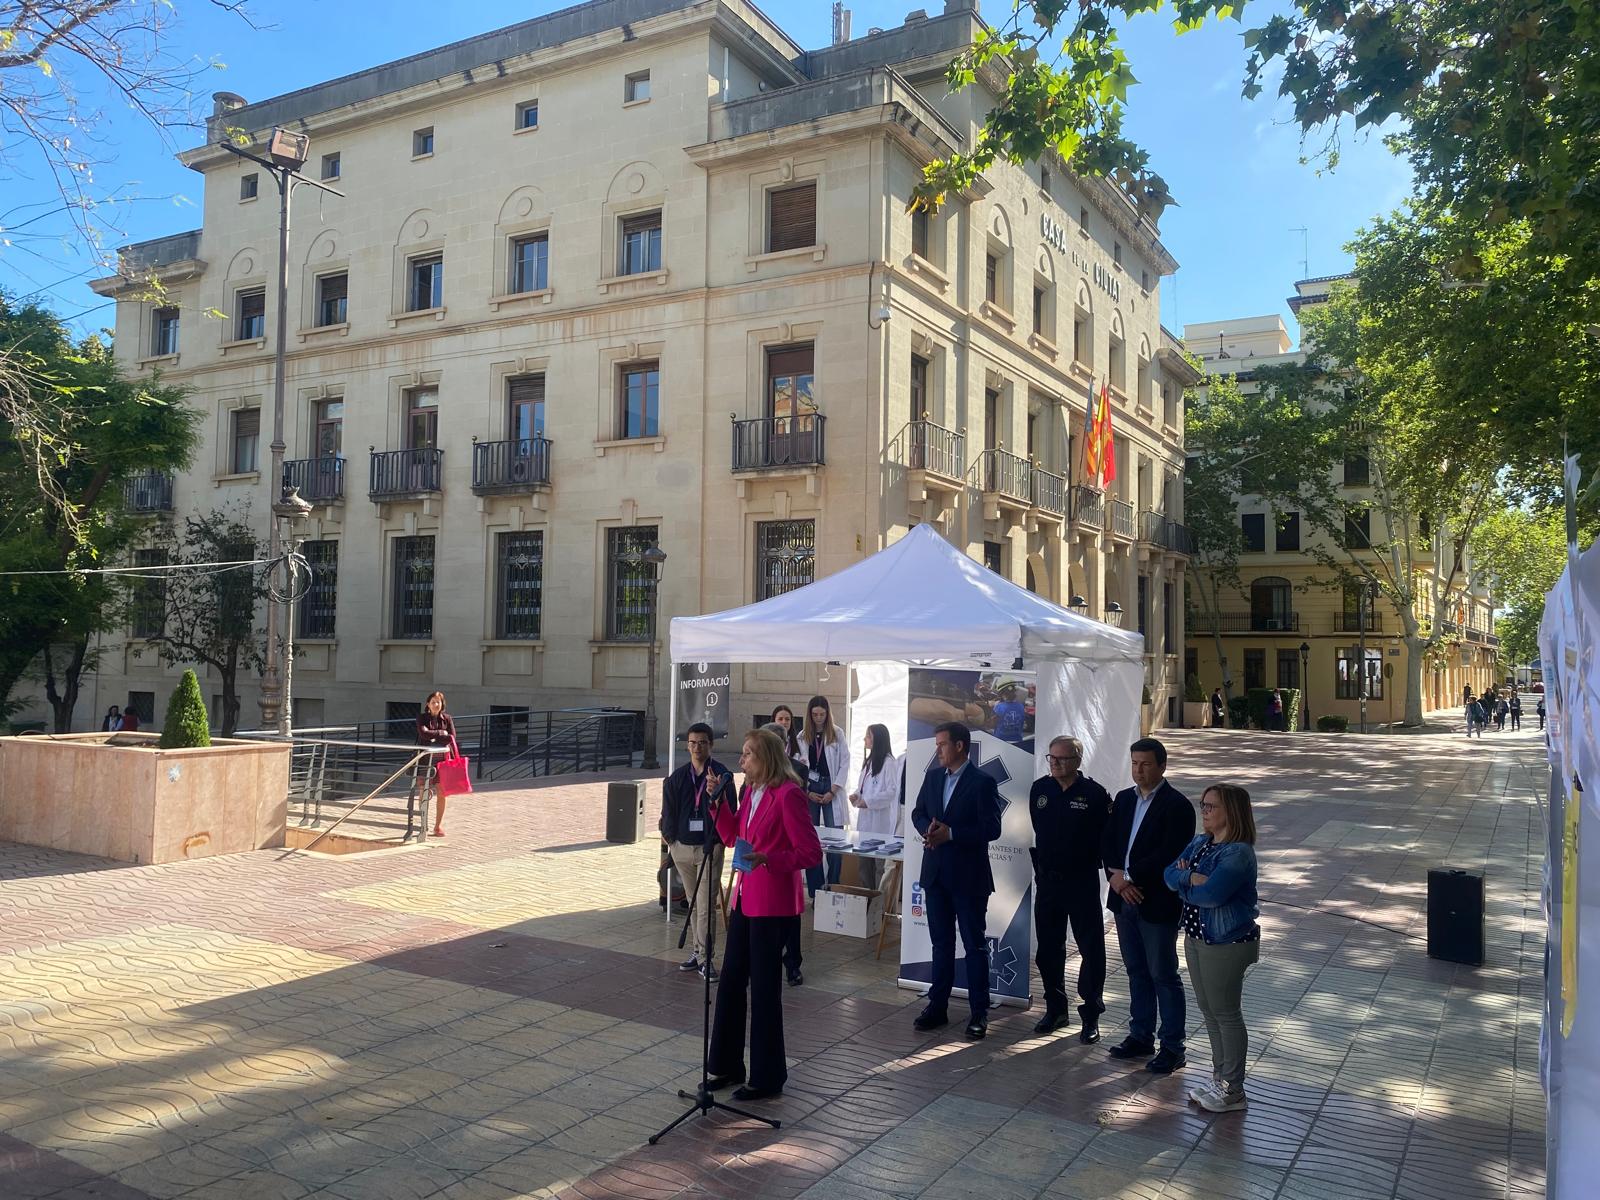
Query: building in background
(642,273)
(1283,616)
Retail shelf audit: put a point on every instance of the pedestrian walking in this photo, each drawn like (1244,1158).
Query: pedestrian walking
(1516,710)
(1501,711)
(1474,717)
(1219,709)
(1541,712)
(1276,706)
(1215,877)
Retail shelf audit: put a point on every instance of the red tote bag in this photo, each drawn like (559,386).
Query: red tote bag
(453,775)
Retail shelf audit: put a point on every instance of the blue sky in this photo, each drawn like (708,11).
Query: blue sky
(1233,165)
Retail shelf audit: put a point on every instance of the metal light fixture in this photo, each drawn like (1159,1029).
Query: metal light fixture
(1114,614)
(1077,604)
(288,149)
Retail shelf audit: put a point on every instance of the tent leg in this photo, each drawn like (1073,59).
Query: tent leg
(672,754)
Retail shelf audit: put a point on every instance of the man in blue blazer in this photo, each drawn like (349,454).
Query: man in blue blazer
(958,815)
(1150,825)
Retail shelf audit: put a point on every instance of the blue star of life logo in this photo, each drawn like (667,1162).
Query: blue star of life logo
(994,768)
(1002,964)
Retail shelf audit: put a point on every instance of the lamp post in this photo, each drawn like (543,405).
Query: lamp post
(1368,596)
(287,152)
(291,510)
(655,556)
(1305,684)
(1114,614)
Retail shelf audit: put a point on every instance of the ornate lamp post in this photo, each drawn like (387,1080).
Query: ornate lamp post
(287,152)
(1305,683)
(655,557)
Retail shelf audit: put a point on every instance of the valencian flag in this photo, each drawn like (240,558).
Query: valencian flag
(1091,446)
(1107,451)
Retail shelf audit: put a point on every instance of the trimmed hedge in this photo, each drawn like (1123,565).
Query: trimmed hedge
(1238,713)
(1260,700)
(1332,723)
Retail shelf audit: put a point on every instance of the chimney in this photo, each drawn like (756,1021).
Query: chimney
(223,103)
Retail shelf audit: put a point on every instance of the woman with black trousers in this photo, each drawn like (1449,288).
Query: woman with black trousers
(766,902)
(434,728)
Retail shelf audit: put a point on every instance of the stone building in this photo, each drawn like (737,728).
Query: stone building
(642,273)
(1286,615)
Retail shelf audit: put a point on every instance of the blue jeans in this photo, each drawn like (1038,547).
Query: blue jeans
(1150,955)
(949,910)
(823,817)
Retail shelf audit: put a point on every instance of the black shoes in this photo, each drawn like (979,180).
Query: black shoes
(1090,1033)
(928,1019)
(717,1082)
(1166,1062)
(795,978)
(750,1093)
(977,1029)
(1132,1048)
(1052,1021)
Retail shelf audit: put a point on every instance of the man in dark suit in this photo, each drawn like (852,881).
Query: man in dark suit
(958,815)
(1150,825)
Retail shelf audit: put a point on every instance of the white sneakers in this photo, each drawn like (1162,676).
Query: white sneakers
(1216,1096)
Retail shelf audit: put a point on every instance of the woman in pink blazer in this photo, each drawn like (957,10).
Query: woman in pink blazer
(764,906)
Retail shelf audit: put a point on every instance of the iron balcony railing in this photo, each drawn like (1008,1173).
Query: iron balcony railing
(766,443)
(1349,622)
(406,472)
(1121,518)
(1150,527)
(514,465)
(1049,492)
(1175,536)
(1002,473)
(930,447)
(319,479)
(148,492)
(1492,639)
(1088,507)
(1249,622)
(1475,635)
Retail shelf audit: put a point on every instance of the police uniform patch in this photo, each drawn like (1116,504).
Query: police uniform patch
(1040,803)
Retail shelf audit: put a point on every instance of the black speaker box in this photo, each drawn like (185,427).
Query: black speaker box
(1455,916)
(625,821)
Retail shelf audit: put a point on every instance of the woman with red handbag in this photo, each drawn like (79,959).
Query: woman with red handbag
(435,728)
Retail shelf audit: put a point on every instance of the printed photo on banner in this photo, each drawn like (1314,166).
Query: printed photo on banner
(999,703)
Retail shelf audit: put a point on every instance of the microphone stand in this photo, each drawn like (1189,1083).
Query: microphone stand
(704,1100)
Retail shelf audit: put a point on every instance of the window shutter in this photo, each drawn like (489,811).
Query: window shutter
(792,218)
(335,287)
(794,360)
(527,389)
(247,422)
(640,224)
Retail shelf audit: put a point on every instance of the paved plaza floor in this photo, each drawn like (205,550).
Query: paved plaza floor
(500,1014)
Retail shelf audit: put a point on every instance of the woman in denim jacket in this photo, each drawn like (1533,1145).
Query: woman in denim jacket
(1216,878)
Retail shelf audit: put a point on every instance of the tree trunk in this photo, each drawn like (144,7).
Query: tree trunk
(1416,652)
(64,700)
(230,700)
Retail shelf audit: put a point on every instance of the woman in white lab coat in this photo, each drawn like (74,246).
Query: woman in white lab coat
(825,776)
(876,799)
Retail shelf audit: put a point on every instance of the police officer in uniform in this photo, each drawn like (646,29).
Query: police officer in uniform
(1069,812)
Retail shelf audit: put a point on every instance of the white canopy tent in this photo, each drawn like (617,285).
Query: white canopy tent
(922,602)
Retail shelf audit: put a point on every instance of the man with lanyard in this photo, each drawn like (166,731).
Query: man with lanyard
(1069,812)
(691,837)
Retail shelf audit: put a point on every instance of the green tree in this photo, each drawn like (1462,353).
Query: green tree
(207,613)
(73,430)
(186,724)
(1494,105)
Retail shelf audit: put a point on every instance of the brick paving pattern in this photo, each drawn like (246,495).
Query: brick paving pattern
(499,1015)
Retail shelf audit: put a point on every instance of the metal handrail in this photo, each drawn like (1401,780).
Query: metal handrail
(1049,491)
(765,442)
(402,472)
(1088,507)
(927,446)
(514,463)
(1002,473)
(427,795)
(572,733)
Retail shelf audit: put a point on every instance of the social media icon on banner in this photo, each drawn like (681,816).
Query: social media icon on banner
(916,900)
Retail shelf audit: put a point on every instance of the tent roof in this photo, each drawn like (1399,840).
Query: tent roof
(919,600)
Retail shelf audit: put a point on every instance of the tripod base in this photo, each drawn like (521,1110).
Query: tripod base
(704,1102)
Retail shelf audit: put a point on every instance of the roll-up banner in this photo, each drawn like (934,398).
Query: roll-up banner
(702,695)
(998,706)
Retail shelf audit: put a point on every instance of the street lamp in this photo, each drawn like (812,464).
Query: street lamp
(1078,605)
(1369,594)
(1114,614)
(1305,684)
(655,556)
(287,152)
(291,510)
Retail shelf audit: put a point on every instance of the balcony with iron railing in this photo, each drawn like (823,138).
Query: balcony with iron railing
(925,446)
(406,474)
(1088,507)
(1122,519)
(1491,639)
(1150,526)
(148,492)
(1176,537)
(1005,478)
(1349,622)
(514,465)
(319,480)
(779,443)
(1049,493)
(1475,635)
(1247,622)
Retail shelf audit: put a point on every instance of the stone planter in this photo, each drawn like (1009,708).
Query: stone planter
(1196,714)
(118,795)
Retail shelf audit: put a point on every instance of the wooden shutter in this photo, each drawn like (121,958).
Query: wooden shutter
(792,217)
(641,223)
(527,389)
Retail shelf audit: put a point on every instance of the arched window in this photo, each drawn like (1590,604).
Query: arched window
(1271,604)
